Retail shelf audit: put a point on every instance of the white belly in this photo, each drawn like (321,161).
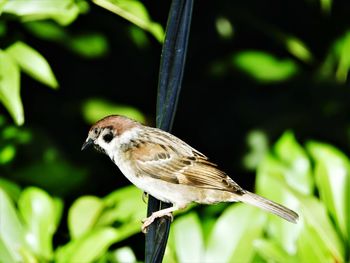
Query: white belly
(176,194)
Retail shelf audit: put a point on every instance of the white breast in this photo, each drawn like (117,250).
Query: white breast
(164,191)
(119,158)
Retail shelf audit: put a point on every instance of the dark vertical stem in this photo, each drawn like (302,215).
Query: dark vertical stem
(172,63)
(171,71)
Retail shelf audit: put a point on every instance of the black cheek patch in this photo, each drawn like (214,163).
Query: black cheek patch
(108,137)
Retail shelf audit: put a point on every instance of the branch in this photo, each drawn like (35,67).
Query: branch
(171,71)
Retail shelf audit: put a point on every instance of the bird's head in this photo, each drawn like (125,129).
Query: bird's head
(104,133)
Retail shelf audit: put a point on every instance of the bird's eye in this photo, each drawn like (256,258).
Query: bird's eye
(108,137)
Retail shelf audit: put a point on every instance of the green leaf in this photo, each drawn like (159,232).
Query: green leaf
(7,154)
(90,45)
(5,253)
(123,254)
(2,3)
(11,189)
(32,63)
(39,214)
(297,48)
(63,12)
(20,136)
(170,253)
(333,181)
(27,256)
(47,30)
(271,174)
(122,207)
(311,246)
(95,109)
(315,217)
(264,67)
(343,49)
(83,214)
(58,208)
(272,252)
(259,145)
(10,87)
(188,238)
(330,68)
(294,157)
(87,248)
(138,36)
(234,233)
(125,208)
(126,197)
(224,27)
(326,6)
(135,12)
(11,230)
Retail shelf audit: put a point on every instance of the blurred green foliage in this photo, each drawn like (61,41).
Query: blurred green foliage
(264,67)
(19,55)
(224,28)
(10,87)
(32,63)
(89,45)
(53,214)
(31,217)
(258,143)
(63,12)
(135,12)
(319,192)
(95,109)
(11,137)
(34,14)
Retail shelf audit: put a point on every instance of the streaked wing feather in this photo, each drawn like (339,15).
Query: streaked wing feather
(202,173)
(175,162)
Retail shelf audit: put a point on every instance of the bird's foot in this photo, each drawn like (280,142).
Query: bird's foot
(149,220)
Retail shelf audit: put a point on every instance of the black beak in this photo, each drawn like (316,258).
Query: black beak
(87,144)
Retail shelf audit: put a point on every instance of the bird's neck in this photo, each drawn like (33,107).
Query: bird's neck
(123,142)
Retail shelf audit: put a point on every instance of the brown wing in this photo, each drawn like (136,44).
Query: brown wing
(202,173)
(172,160)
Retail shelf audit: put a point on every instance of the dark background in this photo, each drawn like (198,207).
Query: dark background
(215,111)
(219,105)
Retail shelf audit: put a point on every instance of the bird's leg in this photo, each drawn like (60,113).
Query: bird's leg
(164,212)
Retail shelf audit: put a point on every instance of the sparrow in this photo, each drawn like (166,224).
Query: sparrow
(169,169)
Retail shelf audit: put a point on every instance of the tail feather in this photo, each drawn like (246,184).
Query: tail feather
(270,206)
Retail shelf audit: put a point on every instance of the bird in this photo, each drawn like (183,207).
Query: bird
(169,169)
